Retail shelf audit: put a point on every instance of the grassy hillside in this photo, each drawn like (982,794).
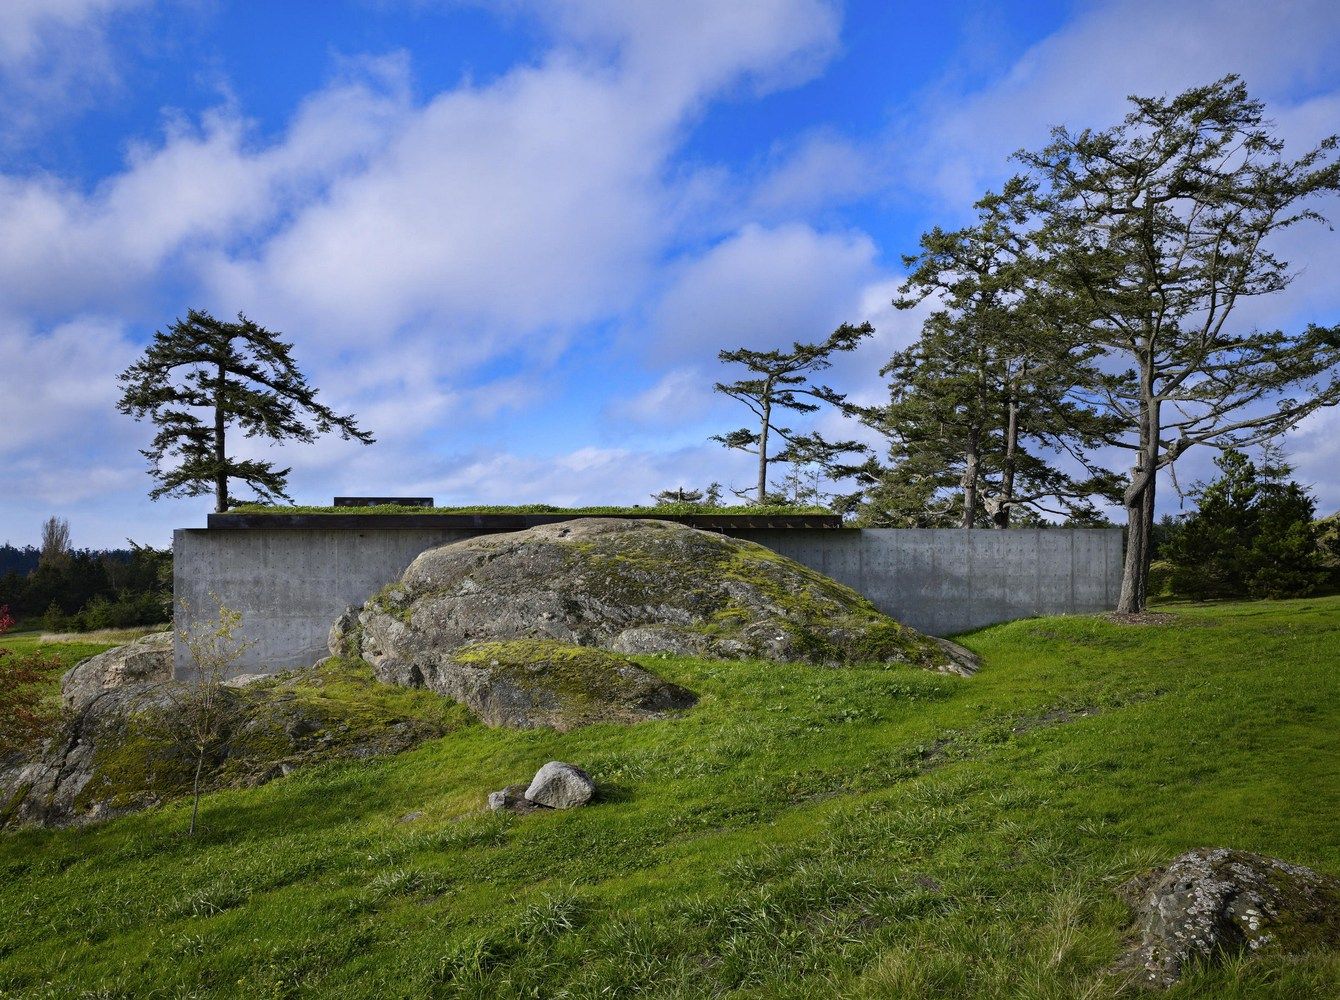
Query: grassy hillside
(61,652)
(801,833)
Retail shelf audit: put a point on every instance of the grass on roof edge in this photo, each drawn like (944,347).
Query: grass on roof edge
(764,510)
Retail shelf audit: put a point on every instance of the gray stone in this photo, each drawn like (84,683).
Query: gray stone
(145,660)
(560,786)
(341,634)
(1214,902)
(626,585)
(246,680)
(512,799)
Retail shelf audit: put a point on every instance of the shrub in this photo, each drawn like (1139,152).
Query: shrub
(1252,535)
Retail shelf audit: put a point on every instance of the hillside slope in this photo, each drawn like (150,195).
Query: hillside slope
(800,832)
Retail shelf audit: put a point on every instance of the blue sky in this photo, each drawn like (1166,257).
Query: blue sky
(512,236)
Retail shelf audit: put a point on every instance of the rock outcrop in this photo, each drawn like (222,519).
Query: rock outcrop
(1214,902)
(146,660)
(121,749)
(532,683)
(624,586)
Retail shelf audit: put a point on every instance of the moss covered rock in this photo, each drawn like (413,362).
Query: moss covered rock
(626,586)
(532,683)
(1211,903)
(124,751)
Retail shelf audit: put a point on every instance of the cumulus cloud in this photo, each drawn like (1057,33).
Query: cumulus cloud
(54,56)
(56,397)
(955,144)
(201,187)
(759,287)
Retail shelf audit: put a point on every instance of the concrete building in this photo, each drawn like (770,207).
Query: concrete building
(292,576)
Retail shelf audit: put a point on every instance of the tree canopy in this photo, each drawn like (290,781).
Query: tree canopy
(1154,232)
(779,382)
(204,376)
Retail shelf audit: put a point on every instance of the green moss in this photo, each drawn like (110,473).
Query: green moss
(580,678)
(268,727)
(825,621)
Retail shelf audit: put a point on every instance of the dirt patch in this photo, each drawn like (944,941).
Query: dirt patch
(1141,618)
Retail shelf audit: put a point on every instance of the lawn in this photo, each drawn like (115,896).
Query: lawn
(61,652)
(802,832)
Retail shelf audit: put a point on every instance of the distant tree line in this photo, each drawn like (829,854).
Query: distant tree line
(66,589)
(1081,334)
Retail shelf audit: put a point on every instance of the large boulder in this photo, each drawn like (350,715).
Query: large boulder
(624,585)
(1214,902)
(146,660)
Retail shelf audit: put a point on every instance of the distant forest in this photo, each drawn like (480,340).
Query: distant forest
(82,589)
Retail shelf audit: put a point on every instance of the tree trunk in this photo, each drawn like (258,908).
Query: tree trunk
(764,427)
(1139,503)
(1001,517)
(220,459)
(195,791)
(971,474)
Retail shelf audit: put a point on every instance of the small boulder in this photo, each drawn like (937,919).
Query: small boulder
(147,660)
(560,786)
(1212,902)
(512,799)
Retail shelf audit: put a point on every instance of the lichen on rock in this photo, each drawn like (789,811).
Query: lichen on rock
(147,659)
(626,586)
(1214,902)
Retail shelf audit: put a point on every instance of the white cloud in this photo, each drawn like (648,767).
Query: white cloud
(54,56)
(674,54)
(26,26)
(760,287)
(584,476)
(680,396)
(822,167)
(957,144)
(58,396)
(201,188)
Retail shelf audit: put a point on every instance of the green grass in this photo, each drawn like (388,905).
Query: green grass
(63,654)
(763,510)
(802,832)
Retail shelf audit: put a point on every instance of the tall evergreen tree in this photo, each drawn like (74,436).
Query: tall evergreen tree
(780,382)
(979,412)
(1155,230)
(203,377)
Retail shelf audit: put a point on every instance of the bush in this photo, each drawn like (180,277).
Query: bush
(1252,535)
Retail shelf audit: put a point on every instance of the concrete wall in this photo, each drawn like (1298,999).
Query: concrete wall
(291,584)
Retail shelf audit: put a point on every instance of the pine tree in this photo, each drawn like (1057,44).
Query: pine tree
(1252,534)
(781,382)
(979,411)
(203,377)
(1154,231)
